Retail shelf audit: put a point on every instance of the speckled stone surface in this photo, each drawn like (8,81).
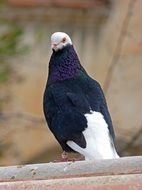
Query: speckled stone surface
(124,173)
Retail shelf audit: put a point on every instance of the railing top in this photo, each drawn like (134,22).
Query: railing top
(121,166)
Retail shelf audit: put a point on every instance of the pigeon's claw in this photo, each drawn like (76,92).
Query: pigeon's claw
(64,156)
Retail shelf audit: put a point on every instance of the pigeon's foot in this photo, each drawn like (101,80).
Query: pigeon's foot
(65,158)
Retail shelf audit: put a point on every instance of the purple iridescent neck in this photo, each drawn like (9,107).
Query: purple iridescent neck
(64,64)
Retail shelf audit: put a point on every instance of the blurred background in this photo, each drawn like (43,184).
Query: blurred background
(107,35)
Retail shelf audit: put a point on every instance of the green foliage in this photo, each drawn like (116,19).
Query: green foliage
(9,42)
(4,73)
(10,37)
(2,3)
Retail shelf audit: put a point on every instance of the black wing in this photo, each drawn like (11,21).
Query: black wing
(92,98)
(66,122)
(99,104)
(64,110)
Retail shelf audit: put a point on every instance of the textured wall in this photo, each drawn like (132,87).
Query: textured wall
(109,45)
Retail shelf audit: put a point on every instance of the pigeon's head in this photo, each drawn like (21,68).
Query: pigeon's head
(59,40)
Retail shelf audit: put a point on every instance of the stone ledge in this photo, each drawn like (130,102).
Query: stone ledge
(119,182)
(126,171)
(125,165)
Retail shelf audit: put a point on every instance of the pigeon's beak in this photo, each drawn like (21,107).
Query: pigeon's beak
(54,46)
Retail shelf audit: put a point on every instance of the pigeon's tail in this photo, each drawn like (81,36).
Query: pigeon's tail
(99,144)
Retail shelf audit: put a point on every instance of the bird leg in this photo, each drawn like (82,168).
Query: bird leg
(66,159)
(64,156)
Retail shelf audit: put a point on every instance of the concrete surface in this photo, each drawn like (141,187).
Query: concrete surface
(126,165)
(119,174)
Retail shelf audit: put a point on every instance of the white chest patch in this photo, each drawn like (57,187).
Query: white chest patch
(98,140)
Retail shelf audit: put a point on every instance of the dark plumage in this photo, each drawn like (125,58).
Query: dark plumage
(69,95)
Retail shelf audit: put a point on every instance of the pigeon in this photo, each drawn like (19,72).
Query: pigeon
(74,105)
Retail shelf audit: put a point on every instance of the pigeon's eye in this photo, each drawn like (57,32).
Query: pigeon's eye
(64,40)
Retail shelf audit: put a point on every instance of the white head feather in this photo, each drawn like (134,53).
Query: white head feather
(60,40)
